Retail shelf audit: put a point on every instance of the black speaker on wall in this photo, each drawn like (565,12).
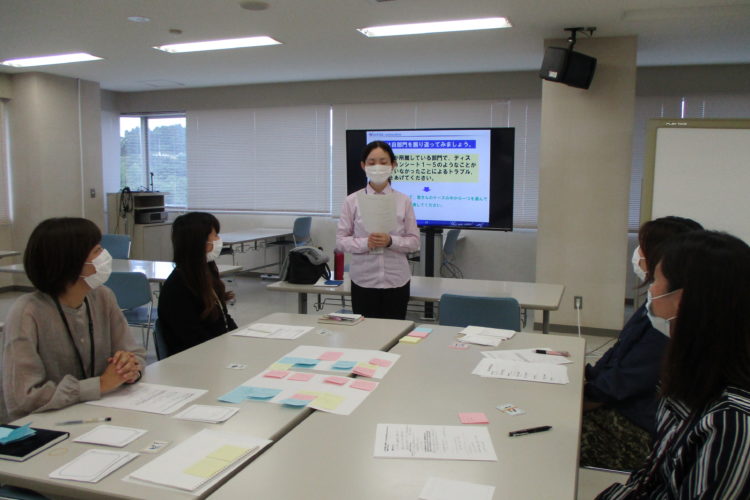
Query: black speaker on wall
(567,66)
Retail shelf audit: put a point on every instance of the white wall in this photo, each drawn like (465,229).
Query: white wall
(56,156)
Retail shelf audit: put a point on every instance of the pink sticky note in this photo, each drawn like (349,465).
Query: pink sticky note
(276,374)
(365,372)
(304,397)
(301,377)
(336,380)
(473,418)
(380,362)
(330,356)
(363,385)
(420,335)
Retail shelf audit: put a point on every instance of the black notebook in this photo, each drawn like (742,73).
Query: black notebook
(24,449)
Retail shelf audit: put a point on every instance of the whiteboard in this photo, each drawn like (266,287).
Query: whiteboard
(704,174)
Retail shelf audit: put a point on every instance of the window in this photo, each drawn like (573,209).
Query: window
(153,149)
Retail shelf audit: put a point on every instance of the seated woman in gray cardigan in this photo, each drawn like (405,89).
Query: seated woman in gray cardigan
(68,341)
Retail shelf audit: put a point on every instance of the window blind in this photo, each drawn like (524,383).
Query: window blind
(265,159)
(4,188)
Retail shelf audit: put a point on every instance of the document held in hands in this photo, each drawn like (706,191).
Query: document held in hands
(447,442)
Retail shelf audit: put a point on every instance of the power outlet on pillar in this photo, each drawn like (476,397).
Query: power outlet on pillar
(578,302)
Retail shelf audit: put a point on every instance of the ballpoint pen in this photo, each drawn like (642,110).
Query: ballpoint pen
(530,430)
(85,421)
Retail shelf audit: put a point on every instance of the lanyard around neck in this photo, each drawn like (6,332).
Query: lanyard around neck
(90,373)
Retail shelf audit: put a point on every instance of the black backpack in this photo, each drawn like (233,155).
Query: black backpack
(301,269)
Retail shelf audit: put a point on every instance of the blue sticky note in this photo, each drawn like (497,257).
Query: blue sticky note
(236,395)
(334,282)
(262,392)
(295,402)
(298,361)
(343,365)
(8,435)
(423,329)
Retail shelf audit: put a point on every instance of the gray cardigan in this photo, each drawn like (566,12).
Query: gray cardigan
(40,368)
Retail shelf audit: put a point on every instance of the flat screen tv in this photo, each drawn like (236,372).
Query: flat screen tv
(456,178)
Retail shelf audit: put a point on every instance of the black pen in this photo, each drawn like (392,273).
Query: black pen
(530,430)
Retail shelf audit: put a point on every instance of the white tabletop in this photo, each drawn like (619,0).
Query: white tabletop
(204,367)
(155,271)
(255,234)
(9,253)
(429,289)
(330,457)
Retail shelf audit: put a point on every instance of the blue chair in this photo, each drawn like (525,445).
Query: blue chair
(162,351)
(118,245)
(301,231)
(133,293)
(492,312)
(448,269)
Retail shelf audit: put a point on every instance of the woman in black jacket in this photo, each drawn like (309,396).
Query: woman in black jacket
(192,302)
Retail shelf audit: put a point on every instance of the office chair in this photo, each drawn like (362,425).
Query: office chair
(492,312)
(134,297)
(448,269)
(118,245)
(301,231)
(160,344)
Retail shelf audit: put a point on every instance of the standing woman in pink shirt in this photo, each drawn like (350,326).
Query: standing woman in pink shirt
(380,278)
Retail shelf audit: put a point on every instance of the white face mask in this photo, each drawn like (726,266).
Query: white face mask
(103,268)
(660,324)
(215,251)
(636,260)
(378,174)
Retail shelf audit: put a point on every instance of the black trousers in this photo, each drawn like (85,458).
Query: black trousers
(387,303)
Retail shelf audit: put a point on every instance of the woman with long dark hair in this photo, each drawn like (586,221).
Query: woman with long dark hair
(620,392)
(700,296)
(68,341)
(192,302)
(379,270)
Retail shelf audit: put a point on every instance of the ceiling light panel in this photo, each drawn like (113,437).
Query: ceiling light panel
(232,43)
(47,60)
(486,23)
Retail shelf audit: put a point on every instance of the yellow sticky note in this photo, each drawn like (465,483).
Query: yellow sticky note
(279,366)
(368,366)
(409,340)
(327,401)
(228,453)
(206,468)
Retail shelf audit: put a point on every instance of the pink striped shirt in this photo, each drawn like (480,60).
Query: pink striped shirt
(389,269)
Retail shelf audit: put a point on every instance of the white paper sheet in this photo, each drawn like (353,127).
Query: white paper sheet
(378,212)
(437,488)
(169,469)
(527,356)
(111,435)
(206,413)
(93,465)
(484,336)
(273,331)
(358,356)
(515,370)
(446,442)
(343,399)
(150,398)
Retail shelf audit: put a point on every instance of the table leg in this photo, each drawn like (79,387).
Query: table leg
(545,321)
(302,303)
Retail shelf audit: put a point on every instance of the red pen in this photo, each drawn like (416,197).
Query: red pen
(552,353)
